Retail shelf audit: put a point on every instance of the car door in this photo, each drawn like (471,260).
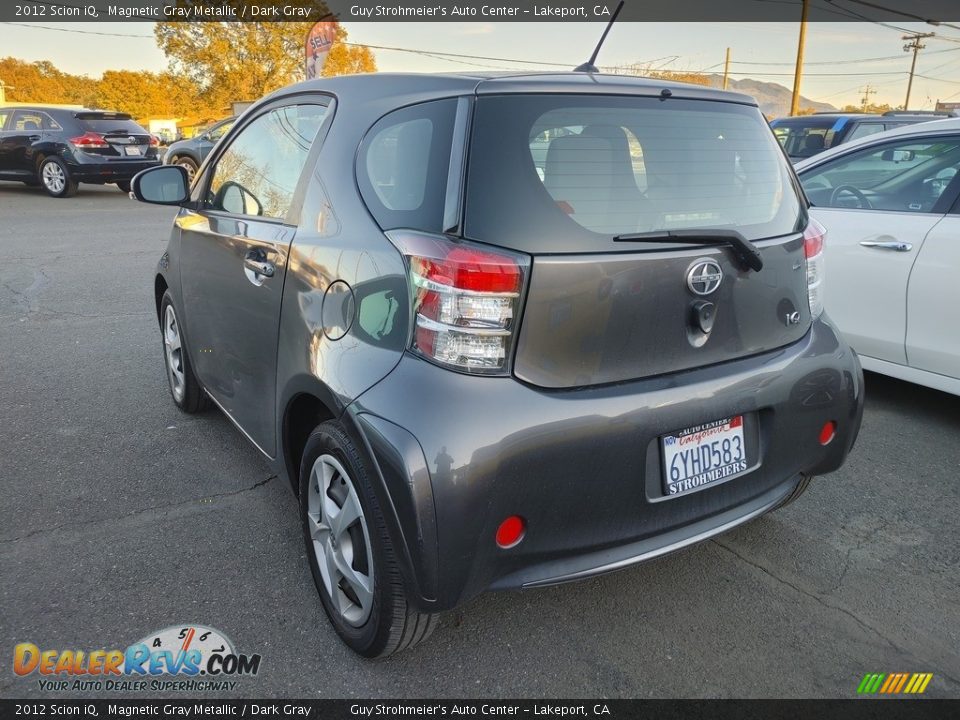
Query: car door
(878,210)
(933,340)
(233,252)
(24,129)
(5,115)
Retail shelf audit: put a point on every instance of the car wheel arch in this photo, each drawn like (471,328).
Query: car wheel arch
(160,286)
(303,411)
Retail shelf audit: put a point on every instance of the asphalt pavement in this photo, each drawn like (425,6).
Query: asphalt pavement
(122,516)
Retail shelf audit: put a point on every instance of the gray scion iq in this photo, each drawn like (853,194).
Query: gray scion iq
(503,331)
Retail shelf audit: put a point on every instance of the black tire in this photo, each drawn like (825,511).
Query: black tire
(392,625)
(48,171)
(124,186)
(191,398)
(799,490)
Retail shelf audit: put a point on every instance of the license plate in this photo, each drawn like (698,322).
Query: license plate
(702,455)
(132,150)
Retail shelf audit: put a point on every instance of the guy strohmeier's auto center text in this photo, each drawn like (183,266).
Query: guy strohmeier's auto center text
(455,11)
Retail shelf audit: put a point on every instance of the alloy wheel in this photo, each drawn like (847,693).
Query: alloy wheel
(173,346)
(54,179)
(341,540)
(188,166)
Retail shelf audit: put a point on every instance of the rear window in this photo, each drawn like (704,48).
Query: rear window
(567,173)
(111,126)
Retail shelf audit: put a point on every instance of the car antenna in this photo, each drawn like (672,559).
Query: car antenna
(588,66)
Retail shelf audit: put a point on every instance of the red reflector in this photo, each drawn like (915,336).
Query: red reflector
(478,270)
(828,432)
(813,238)
(511,531)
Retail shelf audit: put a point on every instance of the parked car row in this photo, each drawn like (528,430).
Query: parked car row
(58,148)
(806,135)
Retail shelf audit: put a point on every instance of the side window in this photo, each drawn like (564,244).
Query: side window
(4,114)
(403,164)
(27,120)
(219,132)
(907,176)
(258,172)
(865,129)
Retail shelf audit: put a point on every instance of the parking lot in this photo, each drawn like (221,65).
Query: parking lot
(122,516)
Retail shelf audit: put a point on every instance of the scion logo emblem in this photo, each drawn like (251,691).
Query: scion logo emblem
(704,277)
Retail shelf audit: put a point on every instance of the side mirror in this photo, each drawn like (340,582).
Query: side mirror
(237,200)
(163,185)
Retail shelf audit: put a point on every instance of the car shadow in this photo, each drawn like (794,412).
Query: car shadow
(891,395)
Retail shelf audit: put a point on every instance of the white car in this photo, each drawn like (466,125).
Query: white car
(891,206)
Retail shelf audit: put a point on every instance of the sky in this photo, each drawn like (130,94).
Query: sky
(841,58)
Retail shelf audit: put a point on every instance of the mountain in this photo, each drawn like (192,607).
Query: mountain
(773,98)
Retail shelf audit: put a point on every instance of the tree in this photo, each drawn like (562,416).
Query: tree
(694,78)
(147,94)
(346,59)
(879,109)
(237,61)
(42,82)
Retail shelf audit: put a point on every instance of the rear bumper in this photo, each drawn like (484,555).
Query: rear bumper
(109,172)
(456,454)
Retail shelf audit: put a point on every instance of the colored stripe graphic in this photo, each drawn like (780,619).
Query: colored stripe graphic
(894,683)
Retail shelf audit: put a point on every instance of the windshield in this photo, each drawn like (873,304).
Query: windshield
(554,173)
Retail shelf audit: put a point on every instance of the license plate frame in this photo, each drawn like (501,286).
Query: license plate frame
(696,457)
(132,150)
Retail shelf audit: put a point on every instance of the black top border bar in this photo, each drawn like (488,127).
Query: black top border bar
(943,13)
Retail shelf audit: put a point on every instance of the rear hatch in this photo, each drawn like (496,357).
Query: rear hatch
(114,136)
(627,206)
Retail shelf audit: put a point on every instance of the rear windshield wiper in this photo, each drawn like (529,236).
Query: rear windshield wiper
(744,250)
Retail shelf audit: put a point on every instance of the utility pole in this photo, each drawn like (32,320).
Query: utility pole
(867,92)
(916,46)
(798,73)
(726,70)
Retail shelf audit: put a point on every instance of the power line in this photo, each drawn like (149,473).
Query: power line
(72,30)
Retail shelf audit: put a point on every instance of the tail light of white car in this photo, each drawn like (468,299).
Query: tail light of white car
(813,238)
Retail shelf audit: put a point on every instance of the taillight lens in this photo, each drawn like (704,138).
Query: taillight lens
(89,140)
(813,238)
(466,300)
(154,141)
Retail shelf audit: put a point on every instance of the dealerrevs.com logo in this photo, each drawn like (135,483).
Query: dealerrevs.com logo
(189,658)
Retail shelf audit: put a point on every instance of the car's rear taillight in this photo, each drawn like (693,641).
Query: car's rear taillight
(89,140)
(154,141)
(813,238)
(466,301)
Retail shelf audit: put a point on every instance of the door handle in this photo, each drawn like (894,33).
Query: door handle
(895,246)
(259,266)
(33,138)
